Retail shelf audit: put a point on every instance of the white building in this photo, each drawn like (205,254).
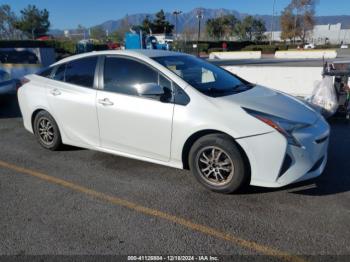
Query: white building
(333,34)
(321,34)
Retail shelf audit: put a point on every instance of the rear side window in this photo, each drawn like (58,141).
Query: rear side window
(46,72)
(81,72)
(59,74)
(78,72)
(122,74)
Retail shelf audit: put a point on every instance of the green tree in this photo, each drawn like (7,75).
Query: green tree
(116,36)
(244,29)
(7,22)
(214,28)
(33,21)
(161,25)
(147,24)
(98,33)
(259,30)
(221,27)
(251,29)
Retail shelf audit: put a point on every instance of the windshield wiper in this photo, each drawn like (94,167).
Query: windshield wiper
(245,86)
(233,90)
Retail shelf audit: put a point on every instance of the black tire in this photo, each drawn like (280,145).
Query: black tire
(236,171)
(55,141)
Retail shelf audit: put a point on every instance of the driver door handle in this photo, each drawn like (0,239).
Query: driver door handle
(105,102)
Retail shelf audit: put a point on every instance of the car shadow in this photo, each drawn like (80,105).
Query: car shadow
(336,177)
(65,148)
(9,107)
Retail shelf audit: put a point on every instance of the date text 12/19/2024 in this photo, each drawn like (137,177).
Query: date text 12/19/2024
(173,258)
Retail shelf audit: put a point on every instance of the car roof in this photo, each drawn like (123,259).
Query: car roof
(156,53)
(134,52)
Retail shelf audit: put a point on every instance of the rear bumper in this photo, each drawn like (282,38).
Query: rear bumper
(274,163)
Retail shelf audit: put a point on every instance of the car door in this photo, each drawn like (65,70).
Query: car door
(130,123)
(72,100)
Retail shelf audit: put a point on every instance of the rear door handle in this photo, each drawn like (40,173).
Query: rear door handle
(105,102)
(55,92)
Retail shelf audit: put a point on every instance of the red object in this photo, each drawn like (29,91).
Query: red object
(44,38)
(21,82)
(224,45)
(113,45)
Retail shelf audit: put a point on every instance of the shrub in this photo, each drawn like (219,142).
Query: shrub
(268,49)
(327,46)
(25,43)
(65,47)
(215,49)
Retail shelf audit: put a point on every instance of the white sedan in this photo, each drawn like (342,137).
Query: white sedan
(309,46)
(177,110)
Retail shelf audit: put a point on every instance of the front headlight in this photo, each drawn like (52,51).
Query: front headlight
(285,127)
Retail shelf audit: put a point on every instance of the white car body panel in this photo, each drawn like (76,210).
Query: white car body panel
(126,126)
(157,132)
(74,106)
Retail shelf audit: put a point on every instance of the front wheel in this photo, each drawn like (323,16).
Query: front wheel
(46,131)
(217,163)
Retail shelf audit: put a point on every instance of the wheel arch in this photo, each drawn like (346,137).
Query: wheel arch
(36,112)
(194,137)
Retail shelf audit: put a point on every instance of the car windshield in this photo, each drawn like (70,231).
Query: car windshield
(205,77)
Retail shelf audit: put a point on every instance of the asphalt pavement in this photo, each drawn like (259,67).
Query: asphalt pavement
(83,202)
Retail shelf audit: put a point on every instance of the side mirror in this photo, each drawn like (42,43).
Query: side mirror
(149,89)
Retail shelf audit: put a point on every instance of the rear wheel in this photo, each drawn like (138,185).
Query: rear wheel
(217,163)
(46,131)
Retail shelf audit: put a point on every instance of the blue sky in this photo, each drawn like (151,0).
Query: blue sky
(68,14)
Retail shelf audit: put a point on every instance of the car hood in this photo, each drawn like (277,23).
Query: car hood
(272,102)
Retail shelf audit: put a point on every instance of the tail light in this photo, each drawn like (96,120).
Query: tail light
(21,82)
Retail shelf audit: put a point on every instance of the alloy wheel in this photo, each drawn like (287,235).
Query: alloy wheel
(46,131)
(215,165)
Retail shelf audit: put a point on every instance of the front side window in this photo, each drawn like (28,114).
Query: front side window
(205,77)
(122,74)
(81,71)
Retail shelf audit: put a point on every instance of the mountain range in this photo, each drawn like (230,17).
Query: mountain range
(189,19)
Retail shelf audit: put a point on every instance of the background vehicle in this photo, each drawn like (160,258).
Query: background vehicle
(18,57)
(14,64)
(176,110)
(7,85)
(309,46)
(139,40)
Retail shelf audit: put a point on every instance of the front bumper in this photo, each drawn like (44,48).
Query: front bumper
(274,163)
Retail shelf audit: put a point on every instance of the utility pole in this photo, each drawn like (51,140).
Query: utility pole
(199,17)
(273,21)
(295,23)
(33,30)
(176,13)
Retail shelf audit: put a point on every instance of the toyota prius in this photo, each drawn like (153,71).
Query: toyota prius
(176,110)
